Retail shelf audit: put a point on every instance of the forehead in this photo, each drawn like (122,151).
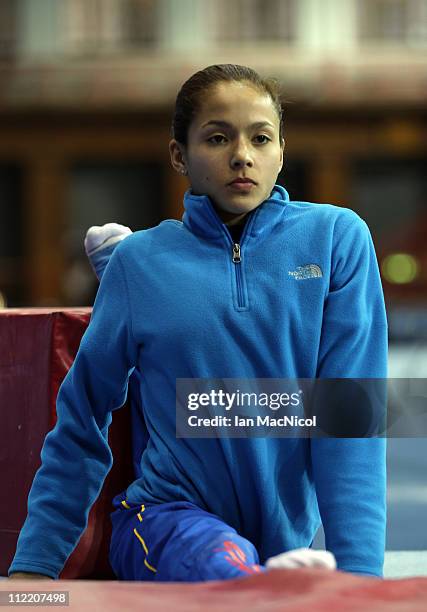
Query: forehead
(236,103)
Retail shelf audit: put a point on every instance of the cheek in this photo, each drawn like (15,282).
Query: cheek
(206,171)
(274,163)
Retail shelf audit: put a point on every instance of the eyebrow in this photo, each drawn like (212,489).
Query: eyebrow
(225,124)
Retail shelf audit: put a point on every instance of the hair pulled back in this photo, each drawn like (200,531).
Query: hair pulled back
(190,96)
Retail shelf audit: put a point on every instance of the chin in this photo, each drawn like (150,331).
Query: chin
(241,201)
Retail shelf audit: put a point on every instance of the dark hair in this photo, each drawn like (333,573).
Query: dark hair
(190,95)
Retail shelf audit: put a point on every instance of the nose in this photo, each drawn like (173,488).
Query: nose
(241,156)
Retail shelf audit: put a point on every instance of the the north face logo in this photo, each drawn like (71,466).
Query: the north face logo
(308,271)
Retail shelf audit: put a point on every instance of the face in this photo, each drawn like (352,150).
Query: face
(234,135)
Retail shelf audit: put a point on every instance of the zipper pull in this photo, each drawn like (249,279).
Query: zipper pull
(236,253)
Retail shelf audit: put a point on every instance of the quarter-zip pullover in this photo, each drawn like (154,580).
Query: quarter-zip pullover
(174,302)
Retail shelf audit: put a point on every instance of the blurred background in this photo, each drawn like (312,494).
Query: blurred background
(87,89)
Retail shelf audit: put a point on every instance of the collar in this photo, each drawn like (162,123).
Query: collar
(201,218)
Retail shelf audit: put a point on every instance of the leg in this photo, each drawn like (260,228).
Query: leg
(177,541)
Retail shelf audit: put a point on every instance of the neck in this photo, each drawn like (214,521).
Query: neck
(236,220)
(229,218)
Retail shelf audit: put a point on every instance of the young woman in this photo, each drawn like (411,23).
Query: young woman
(248,285)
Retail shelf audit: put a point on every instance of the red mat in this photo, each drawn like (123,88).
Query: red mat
(37,347)
(289,590)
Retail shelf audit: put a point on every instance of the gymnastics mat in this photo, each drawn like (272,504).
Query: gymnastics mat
(37,348)
(300,590)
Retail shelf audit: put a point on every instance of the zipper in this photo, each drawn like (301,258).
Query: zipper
(237,258)
(236,253)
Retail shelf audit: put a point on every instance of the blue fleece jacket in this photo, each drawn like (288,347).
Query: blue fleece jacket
(172,304)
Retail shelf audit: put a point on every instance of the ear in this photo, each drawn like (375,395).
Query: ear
(178,156)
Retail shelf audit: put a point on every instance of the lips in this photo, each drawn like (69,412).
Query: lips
(243,181)
(241,186)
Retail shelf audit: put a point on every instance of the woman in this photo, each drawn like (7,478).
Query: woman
(249,285)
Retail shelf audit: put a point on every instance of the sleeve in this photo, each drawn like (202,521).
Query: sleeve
(76,457)
(350,473)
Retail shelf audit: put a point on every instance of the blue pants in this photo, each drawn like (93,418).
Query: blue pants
(176,541)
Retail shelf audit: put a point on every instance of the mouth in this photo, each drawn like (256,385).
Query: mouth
(242,181)
(242,185)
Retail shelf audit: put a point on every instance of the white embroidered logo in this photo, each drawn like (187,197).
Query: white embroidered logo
(308,271)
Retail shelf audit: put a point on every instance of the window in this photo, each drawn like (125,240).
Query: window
(140,23)
(255,20)
(8,28)
(100,26)
(393,21)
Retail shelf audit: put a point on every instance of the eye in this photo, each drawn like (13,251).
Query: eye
(216,136)
(267,139)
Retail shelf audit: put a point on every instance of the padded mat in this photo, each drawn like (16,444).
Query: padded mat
(290,590)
